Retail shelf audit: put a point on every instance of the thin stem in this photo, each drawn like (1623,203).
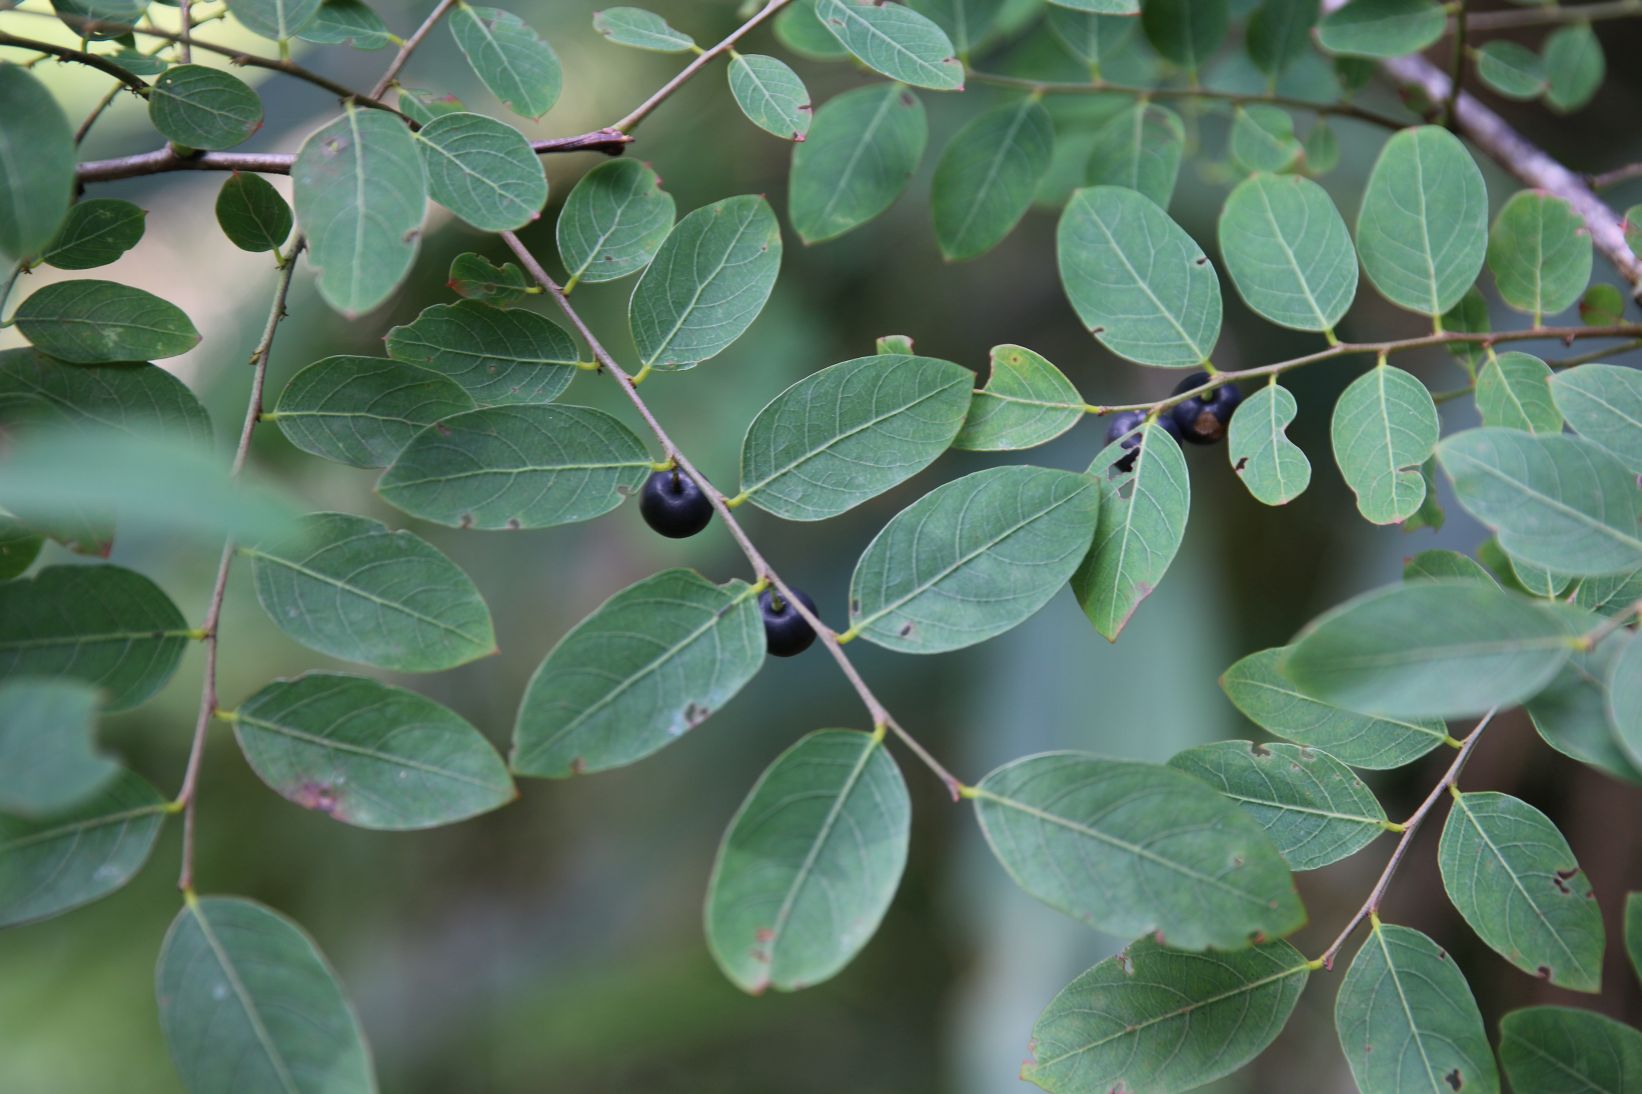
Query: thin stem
(1456,75)
(1613,178)
(185,51)
(1101,87)
(188,797)
(409,46)
(1410,828)
(639,113)
(78,56)
(761,567)
(1553,15)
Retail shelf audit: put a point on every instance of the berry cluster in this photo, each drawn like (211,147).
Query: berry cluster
(675,505)
(1202,419)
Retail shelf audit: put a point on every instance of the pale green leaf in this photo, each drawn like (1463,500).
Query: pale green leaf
(1574,66)
(370,755)
(1101,7)
(641,29)
(987,175)
(707,283)
(1469,316)
(1139,148)
(1026,402)
(514,62)
(1288,252)
(1561,1050)
(478,278)
(276,19)
(850,432)
(36,163)
(363,411)
(1540,254)
(483,170)
(91,322)
(797,28)
(247,1002)
(615,218)
(1513,877)
(1382,28)
(967,22)
(500,357)
(973,558)
(859,155)
(351,588)
(199,107)
(48,753)
(1571,713)
(1423,229)
(1139,283)
(1384,427)
(1132,849)
(1514,392)
(347,23)
(422,106)
(1603,404)
(1186,32)
(53,864)
(1511,69)
(252,214)
(361,192)
(1273,467)
(771,95)
(1555,501)
(1262,138)
(1407,1019)
(1093,39)
(1438,562)
(651,663)
(517,467)
(97,231)
(1624,685)
(1429,649)
(809,863)
(894,40)
(1153,1020)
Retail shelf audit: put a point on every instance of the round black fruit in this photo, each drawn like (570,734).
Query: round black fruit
(674,504)
(1127,426)
(786,633)
(1203,419)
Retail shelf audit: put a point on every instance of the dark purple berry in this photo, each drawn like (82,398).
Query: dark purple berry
(1203,419)
(1127,427)
(674,504)
(786,633)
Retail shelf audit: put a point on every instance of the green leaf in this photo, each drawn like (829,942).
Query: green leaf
(128,396)
(499,357)
(1603,404)
(1624,683)
(972,558)
(771,95)
(1382,28)
(1601,305)
(369,755)
(1429,649)
(859,155)
(55,864)
(36,164)
(510,59)
(97,231)
(1423,229)
(650,664)
(797,28)
(348,587)
(1142,522)
(361,192)
(1469,316)
(347,23)
(1609,594)
(1514,392)
(1273,467)
(1153,1019)
(1262,139)
(1266,697)
(252,213)
(1150,851)
(987,175)
(809,863)
(1288,252)
(1103,7)
(1279,33)
(1633,931)
(1384,427)
(642,30)
(850,432)
(1026,402)
(1186,32)
(483,170)
(1511,69)
(1322,148)
(1310,804)
(199,107)
(968,23)
(1561,1050)
(48,751)
(1555,501)
(1136,279)
(707,284)
(478,278)
(1513,877)
(1438,562)
(613,221)
(1408,1021)
(894,40)
(276,19)
(1574,67)
(1571,713)
(1537,580)
(423,107)
(19,547)
(1540,254)
(363,411)
(91,322)
(1139,148)
(517,467)
(104,625)
(1093,39)
(247,1002)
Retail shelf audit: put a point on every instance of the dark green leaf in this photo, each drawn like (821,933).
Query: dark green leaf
(771,95)
(1382,28)
(1561,1050)
(967,22)
(987,175)
(363,411)
(894,40)
(613,221)
(93,322)
(129,396)
(1093,39)
(478,278)
(48,752)
(1574,66)
(1026,402)
(1571,714)
(483,170)
(859,156)
(19,547)
(1140,148)
(500,357)
(347,23)
(252,213)
(199,107)
(1186,32)
(1601,305)
(511,59)
(1279,32)
(36,164)
(97,231)
(797,28)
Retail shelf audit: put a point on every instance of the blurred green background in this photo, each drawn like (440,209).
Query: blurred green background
(556,945)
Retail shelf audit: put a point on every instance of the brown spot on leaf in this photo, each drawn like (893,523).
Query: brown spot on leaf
(1240,465)
(578,766)
(513,524)
(1543,972)
(906,629)
(1453,1079)
(1562,877)
(1259,749)
(320,797)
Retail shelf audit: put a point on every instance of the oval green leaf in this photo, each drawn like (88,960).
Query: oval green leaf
(859,155)
(1384,428)
(1382,28)
(93,322)
(36,163)
(48,750)
(276,19)
(987,175)
(1139,148)
(97,231)
(1514,392)
(514,62)
(1288,252)
(363,411)
(1603,404)
(1561,1050)
(894,40)
(500,357)
(1540,254)
(1026,402)
(483,170)
(614,221)
(199,107)
(252,214)
(771,95)
(1273,467)
(641,29)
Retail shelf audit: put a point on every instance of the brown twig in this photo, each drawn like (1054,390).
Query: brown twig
(80,57)
(642,111)
(1605,179)
(406,48)
(1553,15)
